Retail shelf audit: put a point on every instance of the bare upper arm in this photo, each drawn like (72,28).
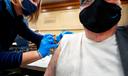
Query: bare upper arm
(50,71)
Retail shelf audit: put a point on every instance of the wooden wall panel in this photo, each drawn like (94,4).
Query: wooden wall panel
(64,4)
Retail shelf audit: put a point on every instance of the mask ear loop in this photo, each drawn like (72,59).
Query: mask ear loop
(87,2)
(21,4)
(36,4)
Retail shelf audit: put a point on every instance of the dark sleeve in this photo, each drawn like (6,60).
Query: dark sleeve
(10,59)
(0,6)
(27,33)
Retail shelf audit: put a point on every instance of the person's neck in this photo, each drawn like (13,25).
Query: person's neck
(98,37)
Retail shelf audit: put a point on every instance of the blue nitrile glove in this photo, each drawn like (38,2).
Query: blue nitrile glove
(46,44)
(58,37)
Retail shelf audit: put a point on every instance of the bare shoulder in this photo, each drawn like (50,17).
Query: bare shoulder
(50,71)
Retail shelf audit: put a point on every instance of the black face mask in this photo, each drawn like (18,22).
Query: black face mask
(100,16)
(28,7)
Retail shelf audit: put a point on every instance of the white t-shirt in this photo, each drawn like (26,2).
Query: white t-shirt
(80,56)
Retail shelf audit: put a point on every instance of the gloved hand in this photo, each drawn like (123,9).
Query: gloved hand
(58,37)
(46,44)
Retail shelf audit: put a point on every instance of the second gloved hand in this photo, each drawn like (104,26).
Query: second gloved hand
(46,44)
(59,37)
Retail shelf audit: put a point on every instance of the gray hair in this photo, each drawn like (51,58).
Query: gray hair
(81,1)
(84,1)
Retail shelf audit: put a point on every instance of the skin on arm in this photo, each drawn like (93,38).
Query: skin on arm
(29,57)
(51,69)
